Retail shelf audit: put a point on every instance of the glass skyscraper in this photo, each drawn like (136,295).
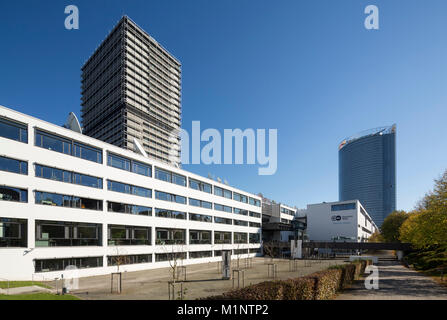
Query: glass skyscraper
(367,171)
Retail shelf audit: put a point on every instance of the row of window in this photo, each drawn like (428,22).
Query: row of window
(53,142)
(13,233)
(67,146)
(287,211)
(68,176)
(13,130)
(49,265)
(343,206)
(61,200)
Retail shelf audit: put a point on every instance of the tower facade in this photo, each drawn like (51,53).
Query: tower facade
(131,90)
(367,171)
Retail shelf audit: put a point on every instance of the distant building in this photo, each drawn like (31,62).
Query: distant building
(367,171)
(131,89)
(279,222)
(339,221)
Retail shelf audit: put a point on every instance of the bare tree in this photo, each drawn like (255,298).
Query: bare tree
(119,258)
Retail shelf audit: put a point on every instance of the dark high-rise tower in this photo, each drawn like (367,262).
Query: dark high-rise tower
(131,89)
(367,171)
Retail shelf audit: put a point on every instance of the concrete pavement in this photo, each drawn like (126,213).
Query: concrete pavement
(397,282)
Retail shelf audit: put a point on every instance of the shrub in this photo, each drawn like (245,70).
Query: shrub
(321,285)
(327,283)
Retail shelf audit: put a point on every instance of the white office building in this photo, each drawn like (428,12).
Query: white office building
(68,199)
(339,221)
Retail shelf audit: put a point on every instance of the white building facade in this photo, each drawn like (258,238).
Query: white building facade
(69,199)
(339,221)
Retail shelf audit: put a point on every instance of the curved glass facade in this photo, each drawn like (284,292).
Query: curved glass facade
(367,171)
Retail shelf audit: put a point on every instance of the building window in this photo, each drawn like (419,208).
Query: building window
(200,203)
(67,234)
(170,177)
(13,130)
(255,214)
(68,176)
(223,220)
(48,265)
(199,185)
(165,236)
(170,197)
(199,237)
(13,165)
(13,233)
(129,165)
(220,207)
(221,237)
(129,259)
(255,238)
(200,217)
(240,197)
(344,206)
(241,211)
(60,200)
(240,223)
(160,257)
(164,213)
(13,194)
(223,193)
(240,251)
(200,254)
(255,224)
(239,237)
(119,235)
(127,188)
(129,208)
(254,202)
(55,143)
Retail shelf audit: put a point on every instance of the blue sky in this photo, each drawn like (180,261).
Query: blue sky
(308,68)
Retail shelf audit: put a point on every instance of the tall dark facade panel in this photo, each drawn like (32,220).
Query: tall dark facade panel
(367,171)
(131,90)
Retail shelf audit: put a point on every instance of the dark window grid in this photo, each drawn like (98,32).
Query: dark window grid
(66,176)
(67,146)
(13,130)
(68,201)
(14,194)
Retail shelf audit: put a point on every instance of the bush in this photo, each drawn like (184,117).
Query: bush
(321,285)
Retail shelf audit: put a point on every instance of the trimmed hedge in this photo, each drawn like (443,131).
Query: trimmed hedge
(322,285)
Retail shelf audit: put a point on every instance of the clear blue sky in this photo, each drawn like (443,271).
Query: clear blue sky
(308,68)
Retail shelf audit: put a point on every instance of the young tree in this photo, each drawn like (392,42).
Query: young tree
(391,225)
(376,237)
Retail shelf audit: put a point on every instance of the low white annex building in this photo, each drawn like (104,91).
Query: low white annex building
(339,221)
(67,199)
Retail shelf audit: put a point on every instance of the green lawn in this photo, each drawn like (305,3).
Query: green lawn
(38,296)
(18,284)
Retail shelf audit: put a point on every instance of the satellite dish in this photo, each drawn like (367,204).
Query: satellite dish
(73,123)
(138,148)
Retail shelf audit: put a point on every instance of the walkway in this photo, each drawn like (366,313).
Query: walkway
(397,283)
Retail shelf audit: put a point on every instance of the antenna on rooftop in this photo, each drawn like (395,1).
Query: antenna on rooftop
(73,123)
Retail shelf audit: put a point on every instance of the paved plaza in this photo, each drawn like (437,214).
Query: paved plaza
(202,280)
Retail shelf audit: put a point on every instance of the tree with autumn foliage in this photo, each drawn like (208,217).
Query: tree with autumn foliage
(426,226)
